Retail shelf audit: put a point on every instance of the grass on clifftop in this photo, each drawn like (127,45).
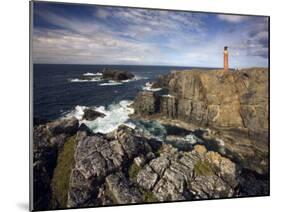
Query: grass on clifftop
(60,181)
(203,168)
(148,196)
(133,171)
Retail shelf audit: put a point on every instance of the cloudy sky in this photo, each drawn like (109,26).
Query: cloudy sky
(88,34)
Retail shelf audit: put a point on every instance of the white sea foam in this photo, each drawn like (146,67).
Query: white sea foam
(148,87)
(115,115)
(135,79)
(94,79)
(97,78)
(128,80)
(78,112)
(110,82)
(78,80)
(168,95)
(192,139)
(92,74)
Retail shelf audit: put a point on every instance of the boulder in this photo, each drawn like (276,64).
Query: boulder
(90,114)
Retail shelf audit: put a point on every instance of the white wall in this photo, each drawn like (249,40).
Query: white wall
(14,82)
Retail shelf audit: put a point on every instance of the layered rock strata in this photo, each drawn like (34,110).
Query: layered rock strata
(234,104)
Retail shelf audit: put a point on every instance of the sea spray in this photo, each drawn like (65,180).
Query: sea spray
(115,115)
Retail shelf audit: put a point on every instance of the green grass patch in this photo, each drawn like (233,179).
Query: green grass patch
(60,181)
(203,168)
(133,171)
(148,196)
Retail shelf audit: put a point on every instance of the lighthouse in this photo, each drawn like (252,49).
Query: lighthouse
(225,59)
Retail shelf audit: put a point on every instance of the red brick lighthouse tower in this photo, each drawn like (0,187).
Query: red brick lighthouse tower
(225,59)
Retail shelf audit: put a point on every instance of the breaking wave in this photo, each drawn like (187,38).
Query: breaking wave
(148,87)
(115,115)
(92,74)
(111,82)
(94,79)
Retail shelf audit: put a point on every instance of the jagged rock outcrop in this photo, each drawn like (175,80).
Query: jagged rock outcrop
(48,140)
(223,99)
(116,75)
(198,174)
(110,74)
(96,158)
(146,103)
(44,161)
(122,190)
(66,126)
(234,103)
(168,105)
(125,167)
(216,98)
(125,170)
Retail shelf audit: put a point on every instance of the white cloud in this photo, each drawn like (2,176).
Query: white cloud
(90,41)
(146,37)
(232,18)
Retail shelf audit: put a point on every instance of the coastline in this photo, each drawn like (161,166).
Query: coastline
(147,152)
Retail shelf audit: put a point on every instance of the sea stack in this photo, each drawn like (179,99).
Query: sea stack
(225,59)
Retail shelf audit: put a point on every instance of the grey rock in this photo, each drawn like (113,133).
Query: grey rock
(122,190)
(44,162)
(117,75)
(90,114)
(234,101)
(67,126)
(147,178)
(168,106)
(58,141)
(132,145)
(95,158)
(166,191)
(159,164)
(203,187)
(146,103)
(176,175)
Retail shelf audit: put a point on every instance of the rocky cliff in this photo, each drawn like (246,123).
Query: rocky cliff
(208,139)
(233,99)
(81,169)
(76,168)
(233,103)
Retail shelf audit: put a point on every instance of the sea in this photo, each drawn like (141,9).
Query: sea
(59,91)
